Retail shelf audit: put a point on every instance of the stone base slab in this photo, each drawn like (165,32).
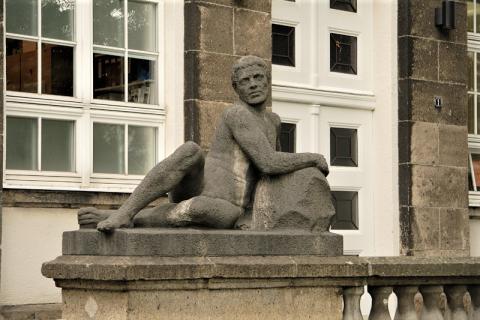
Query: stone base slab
(258,303)
(200,243)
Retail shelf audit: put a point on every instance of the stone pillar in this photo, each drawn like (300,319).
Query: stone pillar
(2,104)
(217,32)
(432,141)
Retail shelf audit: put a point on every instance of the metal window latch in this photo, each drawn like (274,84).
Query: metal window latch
(445,15)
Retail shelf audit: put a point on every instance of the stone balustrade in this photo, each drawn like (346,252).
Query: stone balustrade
(266,287)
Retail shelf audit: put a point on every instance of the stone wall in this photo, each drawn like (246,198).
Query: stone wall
(433,147)
(217,32)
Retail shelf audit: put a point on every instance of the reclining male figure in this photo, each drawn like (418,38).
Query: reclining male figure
(213,191)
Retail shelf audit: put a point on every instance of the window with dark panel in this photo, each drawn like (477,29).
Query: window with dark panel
(343,147)
(283,45)
(343,53)
(344,5)
(287,137)
(346,208)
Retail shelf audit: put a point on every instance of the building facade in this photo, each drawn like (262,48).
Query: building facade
(96,92)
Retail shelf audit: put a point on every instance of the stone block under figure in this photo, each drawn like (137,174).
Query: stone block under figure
(216,190)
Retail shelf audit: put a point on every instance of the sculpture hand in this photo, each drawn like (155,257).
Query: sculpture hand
(322,165)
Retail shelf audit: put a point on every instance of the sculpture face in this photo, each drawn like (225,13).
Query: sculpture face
(252,85)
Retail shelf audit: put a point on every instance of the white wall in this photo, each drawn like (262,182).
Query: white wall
(31,236)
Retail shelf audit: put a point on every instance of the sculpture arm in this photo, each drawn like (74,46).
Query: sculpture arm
(259,150)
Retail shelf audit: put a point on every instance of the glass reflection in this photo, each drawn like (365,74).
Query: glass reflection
(21,66)
(141,26)
(22,143)
(57,19)
(141,81)
(57,69)
(108,148)
(108,23)
(141,149)
(58,145)
(21,17)
(108,77)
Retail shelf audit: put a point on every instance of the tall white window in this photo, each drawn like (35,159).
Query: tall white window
(84,104)
(473,27)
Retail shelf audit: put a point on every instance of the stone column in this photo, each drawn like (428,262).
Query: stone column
(217,32)
(432,141)
(2,104)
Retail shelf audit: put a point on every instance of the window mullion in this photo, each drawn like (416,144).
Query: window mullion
(39,144)
(125,76)
(39,48)
(126,148)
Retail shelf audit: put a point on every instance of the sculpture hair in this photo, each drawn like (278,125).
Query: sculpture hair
(247,61)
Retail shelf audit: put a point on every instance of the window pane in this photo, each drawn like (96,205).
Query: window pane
(22,143)
(470,14)
(141,83)
(141,26)
(478,17)
(343,147)
(108,148)
(108,77)
(141,149)
(58,145)
(22,16)
(345,5)
(57,69)
(470,174)
(108,23)
(57,19)
(346,210)
(471,69)
(343,53)
(476,169)
(287,137)
(478,115)
(283,45)
(471,114)
(21,65)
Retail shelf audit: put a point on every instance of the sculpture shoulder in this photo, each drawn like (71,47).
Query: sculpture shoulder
(235,115)
(275,118)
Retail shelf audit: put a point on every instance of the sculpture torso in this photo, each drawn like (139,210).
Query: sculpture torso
(230,174)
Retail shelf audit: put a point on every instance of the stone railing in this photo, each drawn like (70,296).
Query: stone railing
(425,288)
(265,287)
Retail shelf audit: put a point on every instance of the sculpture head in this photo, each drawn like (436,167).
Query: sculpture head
(251,79)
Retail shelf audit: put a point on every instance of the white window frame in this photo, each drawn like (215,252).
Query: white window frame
(84,110)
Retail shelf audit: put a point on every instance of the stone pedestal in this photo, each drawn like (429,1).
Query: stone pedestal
(199,274)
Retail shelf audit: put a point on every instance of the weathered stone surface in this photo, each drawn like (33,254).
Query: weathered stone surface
(454,109)
(425,228)
(212,85)
(404,135)
(454,229)
(31,311)
(453,145)
(265,303)
(264,5)
(202,119)
(248,37)
(449,69)
(439,186)
(197,242)
(209,28)
(423,55)
(298,200)
(424,143)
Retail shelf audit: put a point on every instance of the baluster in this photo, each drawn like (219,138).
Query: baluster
(474,291)
(431,301)
(455,296)
(351,303)
(379,303)
(406,303)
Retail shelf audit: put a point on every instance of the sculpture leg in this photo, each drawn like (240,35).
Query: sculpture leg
(204,211)
(164,177)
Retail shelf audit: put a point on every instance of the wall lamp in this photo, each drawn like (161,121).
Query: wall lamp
(445,16)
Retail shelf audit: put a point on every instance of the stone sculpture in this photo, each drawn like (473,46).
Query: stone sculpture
(220,190)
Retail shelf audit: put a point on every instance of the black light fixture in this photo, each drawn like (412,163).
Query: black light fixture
(445,16)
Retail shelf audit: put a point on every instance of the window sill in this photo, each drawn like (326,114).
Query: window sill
(29,198)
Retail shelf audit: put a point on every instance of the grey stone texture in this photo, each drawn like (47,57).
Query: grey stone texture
(31,312)
(298,200)
(433,147)
(218,32)
(200,243)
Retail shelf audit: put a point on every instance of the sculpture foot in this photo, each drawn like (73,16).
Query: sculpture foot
(89,217)
(115,221)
